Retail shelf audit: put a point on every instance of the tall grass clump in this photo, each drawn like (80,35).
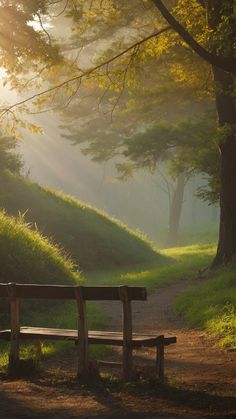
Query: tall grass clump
(28,257)
(213,306)
(93,240)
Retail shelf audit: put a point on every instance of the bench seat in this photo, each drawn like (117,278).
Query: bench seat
(94,337)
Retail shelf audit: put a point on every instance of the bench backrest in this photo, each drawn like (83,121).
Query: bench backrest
(70,292)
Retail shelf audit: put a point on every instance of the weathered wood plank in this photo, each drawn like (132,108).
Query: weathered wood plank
(169,340)
(94,337)
(109,364)
(68,292)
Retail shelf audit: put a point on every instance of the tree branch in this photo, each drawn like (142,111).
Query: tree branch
(225,63)
(86,73)
(43,28)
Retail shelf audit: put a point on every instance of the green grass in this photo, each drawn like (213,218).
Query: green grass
(93,240)
(28,257)
(181,263)
(213,306)
(187,236)
(199,234)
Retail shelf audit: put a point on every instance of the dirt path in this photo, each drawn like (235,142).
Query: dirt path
(194,360)
(201,378)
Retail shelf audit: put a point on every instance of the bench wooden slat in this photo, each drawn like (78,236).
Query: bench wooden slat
(68,292)
(109,364)
(94,336)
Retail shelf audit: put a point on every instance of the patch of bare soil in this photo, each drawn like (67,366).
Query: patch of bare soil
(201,379)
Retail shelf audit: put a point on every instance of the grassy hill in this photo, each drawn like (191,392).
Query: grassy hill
(92,239)
(28,257)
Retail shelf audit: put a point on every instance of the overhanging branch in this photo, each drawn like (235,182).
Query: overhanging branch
(86,73)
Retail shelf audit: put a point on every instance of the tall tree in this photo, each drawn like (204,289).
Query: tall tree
(222,26)
(188,148)
(212,39)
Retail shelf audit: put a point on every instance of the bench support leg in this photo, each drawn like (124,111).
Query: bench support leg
(83,361)
(83,348)
(127,362)
(160,359)
(14,356)
(127,333)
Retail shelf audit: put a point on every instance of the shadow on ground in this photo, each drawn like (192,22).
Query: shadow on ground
(63,397)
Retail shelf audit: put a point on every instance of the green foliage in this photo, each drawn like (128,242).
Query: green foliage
(181,68)
(22,46)
(8,157)
(189,147)
(92,239)
(213,306)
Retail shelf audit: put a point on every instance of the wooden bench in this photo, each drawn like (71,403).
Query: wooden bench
(82,336)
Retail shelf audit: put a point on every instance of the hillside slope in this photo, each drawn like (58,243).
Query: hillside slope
(92,239)
(27,257)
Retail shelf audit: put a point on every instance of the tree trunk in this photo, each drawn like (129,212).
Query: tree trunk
(227,119)
(175,211)
(226,110)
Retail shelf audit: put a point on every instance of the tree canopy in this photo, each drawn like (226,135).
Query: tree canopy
(119,36)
